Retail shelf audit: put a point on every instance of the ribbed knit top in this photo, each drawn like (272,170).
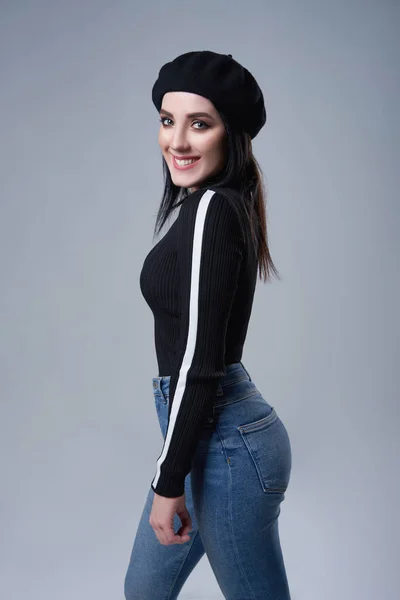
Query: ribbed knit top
(199,282)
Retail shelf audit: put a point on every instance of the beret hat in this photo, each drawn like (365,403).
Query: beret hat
(231,87)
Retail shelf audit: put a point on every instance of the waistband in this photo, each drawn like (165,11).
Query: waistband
(234,373)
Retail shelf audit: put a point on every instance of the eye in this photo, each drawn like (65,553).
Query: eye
(168,119)
(202,122)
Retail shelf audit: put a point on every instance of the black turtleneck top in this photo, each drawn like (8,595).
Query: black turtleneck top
(199,282)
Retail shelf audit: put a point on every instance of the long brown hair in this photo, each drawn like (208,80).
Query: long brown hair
(241,172)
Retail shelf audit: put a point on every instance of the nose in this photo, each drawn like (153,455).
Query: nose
(178,141)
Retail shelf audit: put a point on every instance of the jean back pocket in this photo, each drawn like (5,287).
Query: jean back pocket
(268,444)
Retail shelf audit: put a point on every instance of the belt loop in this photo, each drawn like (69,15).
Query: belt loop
(245,370)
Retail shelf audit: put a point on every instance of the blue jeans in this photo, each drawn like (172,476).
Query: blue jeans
(238,478)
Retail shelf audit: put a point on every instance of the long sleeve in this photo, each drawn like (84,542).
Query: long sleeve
(209,253)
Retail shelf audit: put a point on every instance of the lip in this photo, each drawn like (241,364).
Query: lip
(184,158)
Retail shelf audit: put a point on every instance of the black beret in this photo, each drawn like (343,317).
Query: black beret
(231,87)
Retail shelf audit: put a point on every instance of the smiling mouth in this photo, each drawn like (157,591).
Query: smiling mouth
(186,163)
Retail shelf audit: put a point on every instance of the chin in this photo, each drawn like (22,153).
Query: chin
(185,184)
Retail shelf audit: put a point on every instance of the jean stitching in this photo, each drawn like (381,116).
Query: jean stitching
(246,371)
(266,488)
(221,441)
(221,404)
(230,512)
(160,397)
(233,381)
(260,424)
(250,451)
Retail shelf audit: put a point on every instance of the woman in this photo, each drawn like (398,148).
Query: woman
(225,461)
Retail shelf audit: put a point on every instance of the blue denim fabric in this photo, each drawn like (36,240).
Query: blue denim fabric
(238,478)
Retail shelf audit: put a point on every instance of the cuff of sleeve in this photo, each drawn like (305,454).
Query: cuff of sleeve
(169,486)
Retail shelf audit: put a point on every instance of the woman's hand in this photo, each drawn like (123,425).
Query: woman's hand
(162,519)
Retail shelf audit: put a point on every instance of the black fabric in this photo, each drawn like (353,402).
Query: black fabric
(200,321)
(219,77)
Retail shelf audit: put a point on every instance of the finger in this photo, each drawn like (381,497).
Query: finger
(166,536)
(172,537)
(184,536)
(162,538)
(184,531)
(186,521)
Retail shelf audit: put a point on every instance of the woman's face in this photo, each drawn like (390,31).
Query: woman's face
(184,134)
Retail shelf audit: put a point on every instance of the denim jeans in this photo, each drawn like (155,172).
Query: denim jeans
(239,474)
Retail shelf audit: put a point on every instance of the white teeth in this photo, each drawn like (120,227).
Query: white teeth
(182,163)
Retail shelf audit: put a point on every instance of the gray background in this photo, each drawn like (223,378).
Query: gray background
(81,182)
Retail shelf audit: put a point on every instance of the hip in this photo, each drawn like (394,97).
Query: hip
(241,429)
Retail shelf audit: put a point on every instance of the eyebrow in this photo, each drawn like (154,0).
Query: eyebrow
(190,115)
